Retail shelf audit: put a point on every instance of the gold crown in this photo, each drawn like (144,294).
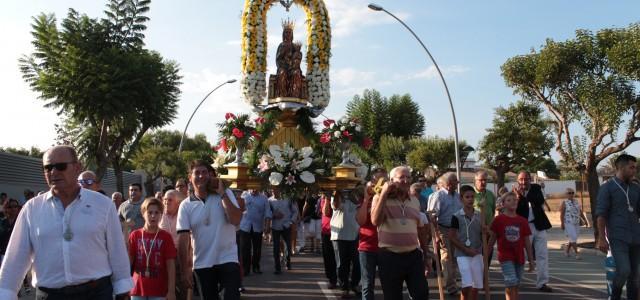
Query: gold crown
(288,24)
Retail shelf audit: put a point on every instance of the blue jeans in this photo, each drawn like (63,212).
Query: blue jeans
(368,263)
(627,258)
(512,273)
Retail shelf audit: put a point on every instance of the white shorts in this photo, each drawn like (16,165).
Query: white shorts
(571,231)
(313,229)
(471,271)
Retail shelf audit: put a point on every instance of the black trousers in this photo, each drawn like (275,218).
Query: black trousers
(329,259)
(251,243)
(396,268)
(348,263)
(101,291)
(285,234)
(224,276)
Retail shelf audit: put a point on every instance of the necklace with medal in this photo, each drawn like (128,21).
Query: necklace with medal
(148,254)
(68,234)
(626,194)
(467,224)
(403,206)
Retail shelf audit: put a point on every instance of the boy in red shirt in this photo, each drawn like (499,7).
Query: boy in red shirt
(153,254)
(512,233)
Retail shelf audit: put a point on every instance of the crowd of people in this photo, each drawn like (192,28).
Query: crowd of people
(201,237)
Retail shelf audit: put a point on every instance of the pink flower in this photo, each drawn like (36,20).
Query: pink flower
(222,145)
(229,115)
(260,120)
(347,134)
(325,138)
(238,133)
(290,179)
(367,143)
(256,135)
(328,122)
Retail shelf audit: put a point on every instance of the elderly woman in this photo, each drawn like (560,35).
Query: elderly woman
(570,215)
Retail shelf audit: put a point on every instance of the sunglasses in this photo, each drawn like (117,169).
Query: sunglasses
(86,181)
(58,166)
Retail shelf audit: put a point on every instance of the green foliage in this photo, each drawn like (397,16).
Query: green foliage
(405,119)
(392,151)
(34,151)
(96,74)
(159,156)
(519,137)
(433,152)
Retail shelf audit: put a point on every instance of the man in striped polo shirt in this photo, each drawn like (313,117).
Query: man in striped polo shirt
(403,237)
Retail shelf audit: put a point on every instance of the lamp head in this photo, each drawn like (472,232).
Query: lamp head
(375,7)
(231,80)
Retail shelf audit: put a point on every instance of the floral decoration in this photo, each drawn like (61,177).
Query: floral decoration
(239,130)
(291,170)
(345,131)
(254,51)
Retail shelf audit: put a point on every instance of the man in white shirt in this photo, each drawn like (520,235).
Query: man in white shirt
(73,237)
(209,220)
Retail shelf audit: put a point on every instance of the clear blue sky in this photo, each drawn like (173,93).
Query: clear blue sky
(469,40)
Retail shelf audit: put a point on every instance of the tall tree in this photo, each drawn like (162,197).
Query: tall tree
(159,158)
(392,151)
(428,152)
(405,119)
(520,136)
(588,82)
(97,74)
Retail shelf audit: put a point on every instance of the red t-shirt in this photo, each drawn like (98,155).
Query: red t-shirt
(326,220)
(510,233)
(368,235)
(155,285)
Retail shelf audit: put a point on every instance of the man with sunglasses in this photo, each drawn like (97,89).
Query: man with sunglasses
(71,236)
(87,180)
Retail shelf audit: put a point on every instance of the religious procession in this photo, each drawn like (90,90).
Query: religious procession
(290,203)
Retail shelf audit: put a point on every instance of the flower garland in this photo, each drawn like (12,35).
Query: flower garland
(288,169)
(254,51)
(238,131)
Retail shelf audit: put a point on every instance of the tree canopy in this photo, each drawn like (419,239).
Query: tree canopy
(100,79)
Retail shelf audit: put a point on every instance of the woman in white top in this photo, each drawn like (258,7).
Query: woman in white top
(570,215)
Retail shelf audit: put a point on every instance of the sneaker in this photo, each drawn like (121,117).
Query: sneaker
(546,288)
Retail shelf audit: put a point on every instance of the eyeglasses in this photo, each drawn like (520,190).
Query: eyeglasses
(86,181)
(58,166)
(570,193)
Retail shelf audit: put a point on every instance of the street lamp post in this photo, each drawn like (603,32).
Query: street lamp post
(194,111)
(453,114)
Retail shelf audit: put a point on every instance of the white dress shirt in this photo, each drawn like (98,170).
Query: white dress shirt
(96,250)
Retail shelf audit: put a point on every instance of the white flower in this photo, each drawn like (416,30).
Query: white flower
(249,123)
(336,134)
(288,151)
(275,151)
(344,120)
(275,178)
(279,161)
(307,177)
(306,151)
(305,163)
(333,125)
(343,128)
(358,128)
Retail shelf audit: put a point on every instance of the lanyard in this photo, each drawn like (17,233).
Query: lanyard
(467,225)
(148,254)
(68,234)
(626,194)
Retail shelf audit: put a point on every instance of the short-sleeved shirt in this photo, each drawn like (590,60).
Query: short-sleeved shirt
(612,205)
(169,224)
(445,205)
(257,209)
(130,210)
(287,208)
(510,233)
(368,235)
(212,236)
(343,222)
(467,229)
(399,231)
(490,199)
(159,250)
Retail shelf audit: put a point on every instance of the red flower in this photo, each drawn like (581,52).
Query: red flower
(325,138)
(222,145)
(256,134)
(238,133)
(260,120)
(347,134)
(229,115)
(328,122)
(367,143)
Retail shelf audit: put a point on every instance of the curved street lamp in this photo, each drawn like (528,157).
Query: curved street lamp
(194,111)
(453,114)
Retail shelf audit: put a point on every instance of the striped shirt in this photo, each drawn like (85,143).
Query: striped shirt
(399,231)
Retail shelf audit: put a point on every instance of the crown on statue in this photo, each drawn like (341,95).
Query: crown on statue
(288,24)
